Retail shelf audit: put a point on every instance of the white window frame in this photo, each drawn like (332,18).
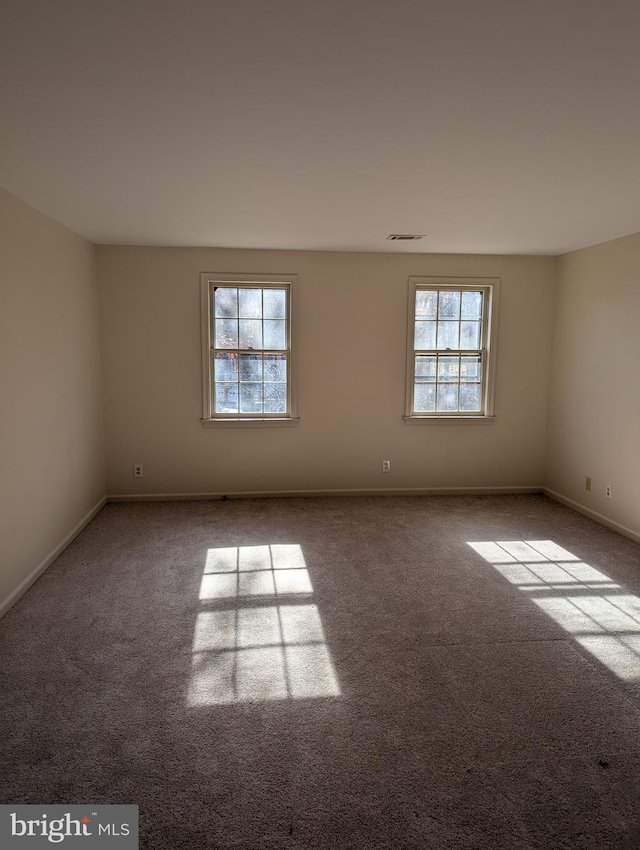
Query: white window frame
(488,350)
(210,419)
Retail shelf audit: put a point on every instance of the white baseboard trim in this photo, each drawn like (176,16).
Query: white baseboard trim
(387,491)
(26,583)
(601,518)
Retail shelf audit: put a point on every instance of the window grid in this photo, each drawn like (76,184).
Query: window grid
(449,377)
(240,365)
(448,383)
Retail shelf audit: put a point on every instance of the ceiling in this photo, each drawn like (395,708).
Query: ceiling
(491,126)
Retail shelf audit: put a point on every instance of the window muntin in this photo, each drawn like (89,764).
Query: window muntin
(448,364)
(248,349)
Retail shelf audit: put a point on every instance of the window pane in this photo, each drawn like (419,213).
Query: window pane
(425,336)
(226,367)
(250,333)
(275,367)
(470,368)
(448,369)
(250,398)
(447,398)
(426,304)
(470,335)
(275,303)
(425,369)
(448,334)
(424,398)
(275,398)
(226,333)
(471,305)
(250,303)
(226,302)
(470,397)
(245,322)
(448,305)
(275,335)
(250,367)
(226,398)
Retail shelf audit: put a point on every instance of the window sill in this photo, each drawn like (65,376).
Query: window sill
(449,420)
(250,423)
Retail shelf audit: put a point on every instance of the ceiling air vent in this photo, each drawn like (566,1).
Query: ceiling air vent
(405,237)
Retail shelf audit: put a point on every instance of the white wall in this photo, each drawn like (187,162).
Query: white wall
(51,427)
(594,417)
(352,337)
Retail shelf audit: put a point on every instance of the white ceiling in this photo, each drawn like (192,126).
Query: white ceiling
(493,126)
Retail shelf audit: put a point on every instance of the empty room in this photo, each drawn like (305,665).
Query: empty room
(319,464)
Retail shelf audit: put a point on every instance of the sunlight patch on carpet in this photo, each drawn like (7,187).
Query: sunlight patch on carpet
(600,614)
(259,635)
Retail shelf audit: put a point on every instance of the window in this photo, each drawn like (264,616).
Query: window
(451,353)
(247,365)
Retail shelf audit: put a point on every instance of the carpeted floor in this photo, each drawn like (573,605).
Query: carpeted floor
(335,673)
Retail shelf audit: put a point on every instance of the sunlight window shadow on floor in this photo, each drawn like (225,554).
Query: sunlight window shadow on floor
(259,635)
(600,614)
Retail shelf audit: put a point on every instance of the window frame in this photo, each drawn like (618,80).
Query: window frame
(210,418)
(491,287)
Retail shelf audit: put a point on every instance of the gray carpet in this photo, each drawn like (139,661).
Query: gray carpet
(334,673)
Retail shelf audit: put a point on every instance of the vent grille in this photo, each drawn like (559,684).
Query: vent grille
(405,237)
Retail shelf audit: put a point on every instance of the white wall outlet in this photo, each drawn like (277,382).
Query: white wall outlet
(386,466)
(608,491)
(138,471)
(587,483)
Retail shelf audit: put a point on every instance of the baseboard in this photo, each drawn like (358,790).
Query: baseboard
(601,518)
(26,583)
(386,491)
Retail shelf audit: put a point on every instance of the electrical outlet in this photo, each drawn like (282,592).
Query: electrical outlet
(608,491)
(386,466)
(587,483)
(138,471)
